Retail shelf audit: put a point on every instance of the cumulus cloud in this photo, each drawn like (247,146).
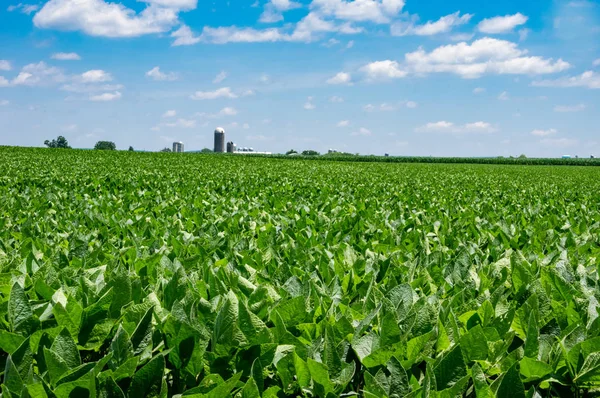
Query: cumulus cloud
(95,76)
(449,127)
(569,108)
(27,9)
(224,92)
(340,78)
(99,18)
(170,113)
(362,132)
(5,65)
(543,133)
(483,56)
(4,102)
(105,97)
(504,96)
(156,74)
(336,99)
(274,9)
(184,37)
(478,90)
(596,62)
(343,123)
(377,11)
(220,77)
(308,105)
(182,123)
(502,24)
(386,107)
(383,70)
(38,74)
(588,79)
(442,25)
(66,56)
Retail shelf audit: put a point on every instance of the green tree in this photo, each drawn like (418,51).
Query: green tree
(310,152)
(59,142)
(166,150)
(206,150)
(105,146)
(522,156)
(131,149)
(291,151)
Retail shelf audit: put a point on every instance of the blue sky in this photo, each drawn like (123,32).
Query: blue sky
(439,78)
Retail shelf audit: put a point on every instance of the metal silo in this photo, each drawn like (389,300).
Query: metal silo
(230,147)
(178,146)
(219,140)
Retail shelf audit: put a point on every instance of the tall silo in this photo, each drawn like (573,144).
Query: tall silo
(219,140)
(231,147)
(178,146)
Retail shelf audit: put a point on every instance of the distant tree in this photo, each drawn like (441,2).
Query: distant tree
(522,156)
(59,142)
(105,146)
(291,151)
(166,150)
(310,152)
(206,150)
(131,149)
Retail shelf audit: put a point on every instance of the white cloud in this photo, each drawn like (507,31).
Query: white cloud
(502,24)
(227,111)
(233,34)
(596,62)
(184,37)
(362,132)
(523,34)
(588,79)
(99,18)
(504,96)
(343,123)
(331,43)
(170,113)
(442,25)
(27,9)
(4,82)
(274,9)
(559,142)
(341,78)
(5,65)
(39,74)
(220,77)
(483,56)
(248,93)
(264,78)
(309,106)
(246,126)
(478,90)
(569,108)
(462,37)
(267,121)
(259,137)
(336,99)
(543,133)
(4,102)
(106,97)
(95,76)
(387,107)
(224,92)
(383,70)
(313,24)
(378,11)
(66,56)
(351,44)
(449,127)
(157,75)
(78,87)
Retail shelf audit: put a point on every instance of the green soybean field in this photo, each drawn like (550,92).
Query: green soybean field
(184,275)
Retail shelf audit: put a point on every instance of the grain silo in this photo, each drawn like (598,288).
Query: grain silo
(219,140)
(231,147)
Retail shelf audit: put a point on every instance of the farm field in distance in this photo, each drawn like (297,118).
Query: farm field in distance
(157,275)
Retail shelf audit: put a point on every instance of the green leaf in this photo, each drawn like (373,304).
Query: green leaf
(253,328)
(532,341)
(110,389)
(474,344)
(120,348)
(320,375)
(9,342)
(398,379)
(141,339)
(511,384)
(250,390)
(590,371)
(302,371)
(12,379)
(64,346)
(533,369)
(482,388)
(20,315)
(257,374)
(147,382)
(55,364)
(450,370)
